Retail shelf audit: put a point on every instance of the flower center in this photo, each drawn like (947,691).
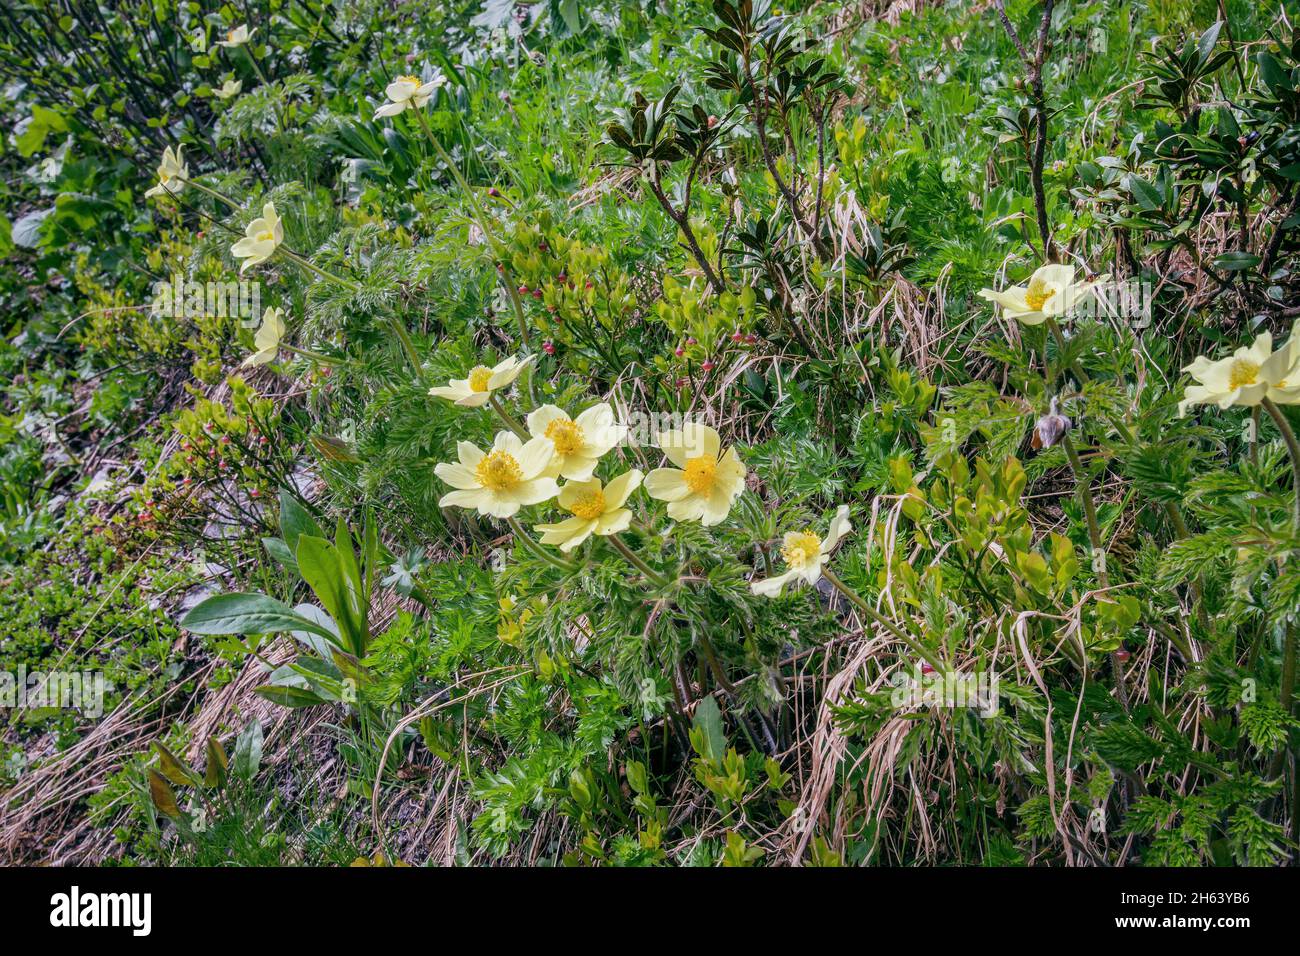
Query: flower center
(498,471)
(700,473)
(408,78)
(1038,294)
(589,506)
(1242,372)
(479,377)
(266,235)
(230,37)
(566,436)
(801,549)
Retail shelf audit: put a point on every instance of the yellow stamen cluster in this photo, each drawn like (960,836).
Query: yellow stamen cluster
(1038,294)
(479,376)
(566,435)
(1242,372)
(408,78)
(499,471)
(589,506)
(801,549)
(699,473)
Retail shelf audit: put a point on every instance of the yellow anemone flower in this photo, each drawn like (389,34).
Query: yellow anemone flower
(1051,291)
(261,237)
(595,510)
(579,442)
(475,390)
(1246,377)
(500,481)
(238,36)
(228,89)
(805,554)
(706,480)
(267,338)
(408,92)
(173,172)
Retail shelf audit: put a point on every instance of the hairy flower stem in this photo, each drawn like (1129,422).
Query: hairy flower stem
(531,544)
(856,600)
(1293,449)
(398,329)
(309,354)
(1084,489)
(214,194)
(634,559)
(511,422)
(1286,693)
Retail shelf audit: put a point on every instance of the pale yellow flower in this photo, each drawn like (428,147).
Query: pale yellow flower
(261,237)
(267,338)
(238,36)
(475,390)
(408,92)
(1051,291)
(1246,377)
(173,172)
(595,510)
(805,554)
(579,442)
(228,89)
(499,482)
(706,480)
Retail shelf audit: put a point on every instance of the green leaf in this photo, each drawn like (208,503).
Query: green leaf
(708,721)
(295,520)
(248,751)
(289,696)
(244,613)
(1236,261)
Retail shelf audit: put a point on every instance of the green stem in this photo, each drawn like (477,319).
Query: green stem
(1292,447)
(511,422)
(309,354)
(635,560)
(531,544)
(919,650)
(1084,489)
(214,194)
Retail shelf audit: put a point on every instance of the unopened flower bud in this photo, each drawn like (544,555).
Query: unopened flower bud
(1051,428)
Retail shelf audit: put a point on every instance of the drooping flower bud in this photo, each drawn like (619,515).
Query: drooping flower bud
(1051,428)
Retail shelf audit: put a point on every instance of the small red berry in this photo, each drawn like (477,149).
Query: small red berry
(926,668)
(1122,655)
(706,366)
(254,493)
(679,351)
(537,293)
(548,347)
(523,290)
(751,339)
(590,286)
(737,337)
(494,192)
(691,342)
(542,247)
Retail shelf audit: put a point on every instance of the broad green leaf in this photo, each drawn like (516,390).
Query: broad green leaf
(244,613)
(708,720)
